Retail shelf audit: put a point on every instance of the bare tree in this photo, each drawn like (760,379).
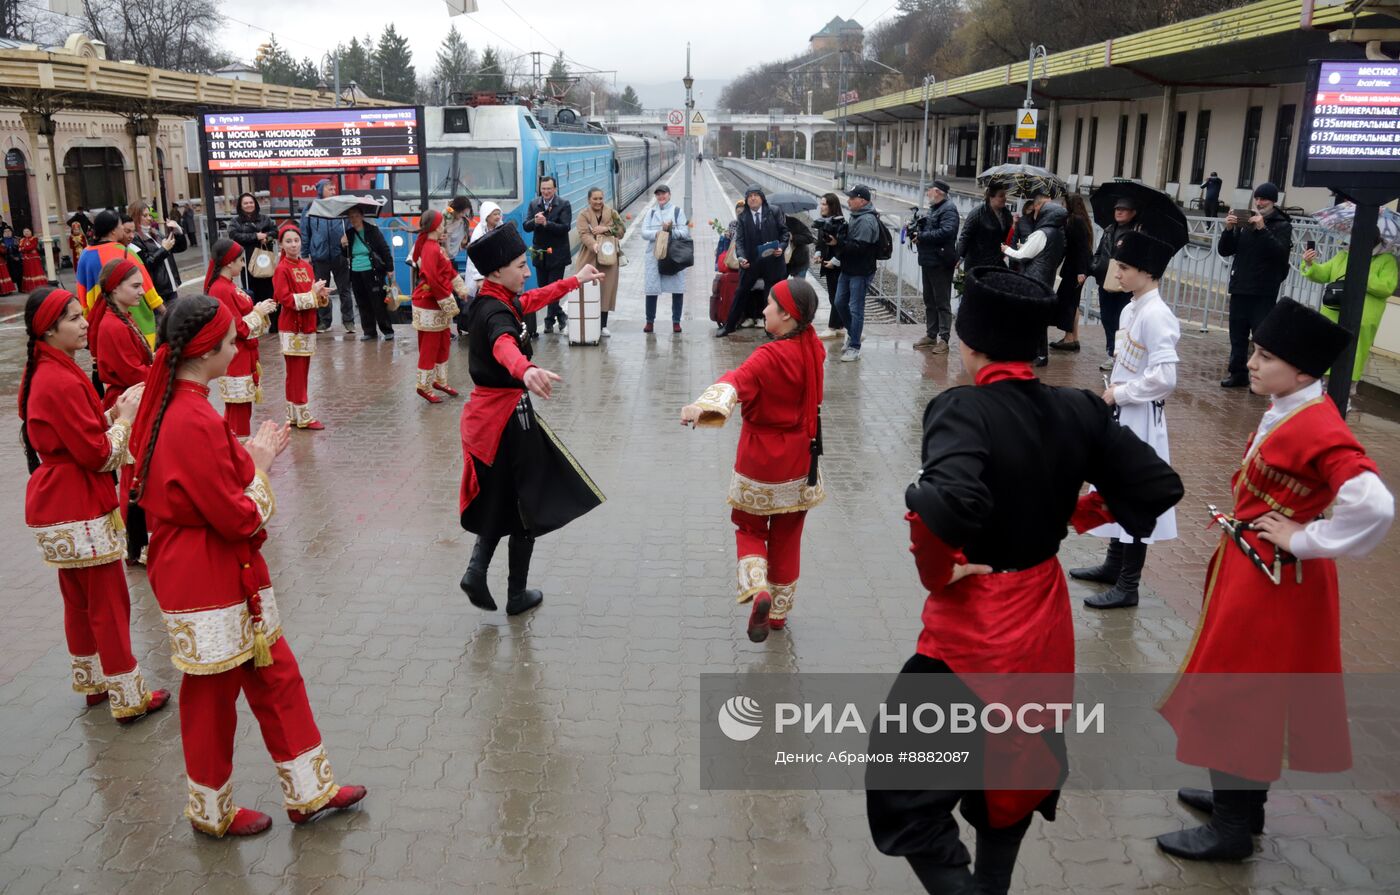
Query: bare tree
(173,34)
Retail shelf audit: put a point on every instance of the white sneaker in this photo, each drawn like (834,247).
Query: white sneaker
(606,334)
(832,334)
(1107,364)
(849,355)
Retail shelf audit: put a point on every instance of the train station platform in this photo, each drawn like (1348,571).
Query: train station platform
(558,751)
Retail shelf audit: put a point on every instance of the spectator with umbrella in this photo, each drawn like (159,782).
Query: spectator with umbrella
(371,265)
(1380,282)
(1260,242)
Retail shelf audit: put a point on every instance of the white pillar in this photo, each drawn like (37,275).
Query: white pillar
(36,125)
(809,134)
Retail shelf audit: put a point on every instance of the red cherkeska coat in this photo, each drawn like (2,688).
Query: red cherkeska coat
(249,325)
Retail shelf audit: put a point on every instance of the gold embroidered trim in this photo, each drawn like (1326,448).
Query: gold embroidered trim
(298,344)
(201,798)
(87,675)
(82,544)
(587,480)
(770,498)
(449,305)
(1273,504)
(308,782)
(429,320)
(259,491)
(118,437)
(127,694)
(211,641)
(256,323)
(424,379)
(440,374)
(1256,446)
(753,577)
(238,389)
(304,301)
(716,403)
(299,415)
(783,597)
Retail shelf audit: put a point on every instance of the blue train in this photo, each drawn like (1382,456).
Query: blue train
(497,153)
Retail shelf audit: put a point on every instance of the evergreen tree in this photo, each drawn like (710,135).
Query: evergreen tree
(558,81)
(355,63)
(456,64)
(489,74)
(630,104)
(278,67)
(397,79)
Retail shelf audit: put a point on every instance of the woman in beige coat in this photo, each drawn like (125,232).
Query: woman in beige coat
(597,221)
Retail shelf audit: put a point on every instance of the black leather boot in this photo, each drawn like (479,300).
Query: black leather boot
(1225,837)
(518,598)
(1124,592)
(474,581)
(1204,800)
(1105,572)
(942,879)
(996,859)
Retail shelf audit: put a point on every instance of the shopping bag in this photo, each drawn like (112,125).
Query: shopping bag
(261,263)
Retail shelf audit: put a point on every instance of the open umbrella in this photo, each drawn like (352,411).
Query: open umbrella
(1158,214)
(337,206)
(1023,179)
(792,203)
(1339,219)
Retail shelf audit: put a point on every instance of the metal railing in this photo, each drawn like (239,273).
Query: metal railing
(1196,284)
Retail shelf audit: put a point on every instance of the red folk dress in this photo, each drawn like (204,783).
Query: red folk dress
(769,491)
(71,507)
(292,284)
(33,271)
(123,360)
(208,508)
(7,285)
(241,386)
(434,306)
(1262,682)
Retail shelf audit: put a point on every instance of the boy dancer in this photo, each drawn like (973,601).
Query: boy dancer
(1280,638)
(1144,375)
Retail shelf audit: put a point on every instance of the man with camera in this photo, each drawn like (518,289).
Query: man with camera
(1260,242)
(936,234)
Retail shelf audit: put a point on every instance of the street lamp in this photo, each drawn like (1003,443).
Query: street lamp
(929,81)
(334,60)
(689,82)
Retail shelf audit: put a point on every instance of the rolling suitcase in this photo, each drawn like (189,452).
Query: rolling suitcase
(722,295)
(585,322)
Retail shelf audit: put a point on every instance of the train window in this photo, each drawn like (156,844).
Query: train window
(441,183)
(487,173)
(530,120)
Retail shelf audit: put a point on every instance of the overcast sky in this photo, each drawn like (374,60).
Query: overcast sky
(643,40)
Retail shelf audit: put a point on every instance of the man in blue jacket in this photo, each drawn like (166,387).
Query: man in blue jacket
(321,246)
(936,236)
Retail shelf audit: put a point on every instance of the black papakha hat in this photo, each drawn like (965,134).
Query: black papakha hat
(1301,336)
(496,249)
(1004,314)
(1146,253)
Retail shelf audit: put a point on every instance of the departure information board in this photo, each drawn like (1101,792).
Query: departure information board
(1352,125)
(325,139)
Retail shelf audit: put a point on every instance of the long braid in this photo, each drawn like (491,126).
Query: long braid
(30,455)
(122,315)
(176,331)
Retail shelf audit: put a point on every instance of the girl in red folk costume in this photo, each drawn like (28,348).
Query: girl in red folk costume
(72,447)
(776,479)
(434,307)
(1262,683)
(209,502)
(32,273)
(123,359)
(241,386)
(297,290)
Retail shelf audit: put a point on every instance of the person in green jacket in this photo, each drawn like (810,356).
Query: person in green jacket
(1380,285)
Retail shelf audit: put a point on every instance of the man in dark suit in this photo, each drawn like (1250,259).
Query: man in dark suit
(758,225)
(550,218)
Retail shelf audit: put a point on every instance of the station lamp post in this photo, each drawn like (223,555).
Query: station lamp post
(929,81)
(689,82)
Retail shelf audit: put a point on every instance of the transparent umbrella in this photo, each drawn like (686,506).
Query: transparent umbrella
(1023,179)
(337,206)
(1339,219)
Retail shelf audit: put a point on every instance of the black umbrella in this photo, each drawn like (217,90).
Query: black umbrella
(1157,213)
(1023,179)
(792,203)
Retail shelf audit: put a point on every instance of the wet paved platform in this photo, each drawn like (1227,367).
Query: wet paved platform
(558,751)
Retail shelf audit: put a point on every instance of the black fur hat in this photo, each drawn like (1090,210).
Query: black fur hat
(1301,336)
(496,249)
(1146,253)
(1004,314)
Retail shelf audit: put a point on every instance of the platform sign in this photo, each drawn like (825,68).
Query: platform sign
(675,123)
(1027,120)
(323,139)
(1022,148)
(1351,126)
(698,126)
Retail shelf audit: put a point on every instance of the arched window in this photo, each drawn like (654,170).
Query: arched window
(94,177)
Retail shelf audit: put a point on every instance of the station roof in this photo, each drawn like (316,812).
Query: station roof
(1260,45)
(76,78)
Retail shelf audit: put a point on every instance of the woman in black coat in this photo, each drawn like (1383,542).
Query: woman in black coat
(252,229)
(1078,264)
(984,231)
(827,230)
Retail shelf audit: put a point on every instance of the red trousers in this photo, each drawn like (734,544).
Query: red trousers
(240,416)
(97,622)
(209,715)
(298,370)
(433,348)
(770,555)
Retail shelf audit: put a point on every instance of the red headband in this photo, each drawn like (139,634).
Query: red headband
(287,225)
(426,225)
(52,308)
(783,294)
(208,337)
(218,264)
(118,275)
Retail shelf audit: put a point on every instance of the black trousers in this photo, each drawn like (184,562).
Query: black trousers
(338,269)
(546,275)
(830,276)
(1111,305)
(1246,313)
(938,300)
(369,296)
(739,309)
(1212,207)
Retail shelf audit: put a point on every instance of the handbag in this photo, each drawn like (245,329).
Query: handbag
(607,251)
(1332,294)
(261,263)
(680,254)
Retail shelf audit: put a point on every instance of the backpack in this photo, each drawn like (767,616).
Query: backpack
(884,248)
